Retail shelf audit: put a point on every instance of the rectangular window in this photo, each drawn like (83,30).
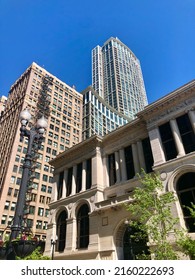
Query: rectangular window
(31,210)
(88,174)
(10,191)
(13,179)
(60,185)
(7,204)
(112,169)
(43,188)
(45,178)
(49,189)
(15,168)
(16,191)
(3,219)
(40,211)
(79,178)
(13,206)
(46,168)
(69,182)
(168,141)
(187,134)
(39,225)
(147,151)
(129,162)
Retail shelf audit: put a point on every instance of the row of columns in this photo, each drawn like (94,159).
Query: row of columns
(120,163)
(156,144)
(100,168)
(96,176)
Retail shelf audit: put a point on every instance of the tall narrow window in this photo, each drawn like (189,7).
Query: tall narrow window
(147,154)
(187,134)
(168,141)
(88,174)
(79,177)
(112,169)
(186,193)
(60,185)
(83,227)
(129,162)
(61,231)
(69,182)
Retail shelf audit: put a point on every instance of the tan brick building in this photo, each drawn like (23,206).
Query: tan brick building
(64,130)
(94,179)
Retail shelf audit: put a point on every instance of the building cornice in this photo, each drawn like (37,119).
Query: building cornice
(77,152)
(168,101)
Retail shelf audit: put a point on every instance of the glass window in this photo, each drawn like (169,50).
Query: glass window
(43,188)
(83,227)
(168,141)
(40,211)
(112,169)
(61,231)
(7,204)
(187,134)
(186,192)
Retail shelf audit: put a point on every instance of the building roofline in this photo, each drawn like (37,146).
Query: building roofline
(90,142)
(116,39)
(166,100)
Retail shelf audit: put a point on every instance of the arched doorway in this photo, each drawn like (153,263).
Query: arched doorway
(185,188)
(135,244)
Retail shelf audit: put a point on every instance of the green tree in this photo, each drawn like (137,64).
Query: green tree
(186,243)
(36,255)
(151,214)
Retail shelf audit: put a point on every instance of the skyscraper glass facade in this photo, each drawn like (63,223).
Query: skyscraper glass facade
(99,117)
(117,77)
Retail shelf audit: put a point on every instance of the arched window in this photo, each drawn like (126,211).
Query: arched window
(134,244)
(83,227)
(186,194)
(61,231)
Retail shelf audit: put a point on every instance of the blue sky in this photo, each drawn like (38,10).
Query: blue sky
(59,35)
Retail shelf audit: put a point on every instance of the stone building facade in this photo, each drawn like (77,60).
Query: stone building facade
(94,179)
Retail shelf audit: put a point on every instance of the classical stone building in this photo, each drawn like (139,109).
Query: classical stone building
(96,177)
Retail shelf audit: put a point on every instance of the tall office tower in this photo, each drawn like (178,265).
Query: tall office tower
(64,130)
(117,77)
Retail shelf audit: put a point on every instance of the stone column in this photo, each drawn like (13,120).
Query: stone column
(70,234)
(117,166)
(74,174)
(156,146)
(84,176)
(54,187)
(141,155)
(122,165)
(105,171)
(64,190)
(177,138)
(97,172)
(135,158)
(191,115)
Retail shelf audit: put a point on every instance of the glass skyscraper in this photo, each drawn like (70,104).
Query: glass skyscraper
(117,77)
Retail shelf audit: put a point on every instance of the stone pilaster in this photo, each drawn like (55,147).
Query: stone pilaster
(177,138)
